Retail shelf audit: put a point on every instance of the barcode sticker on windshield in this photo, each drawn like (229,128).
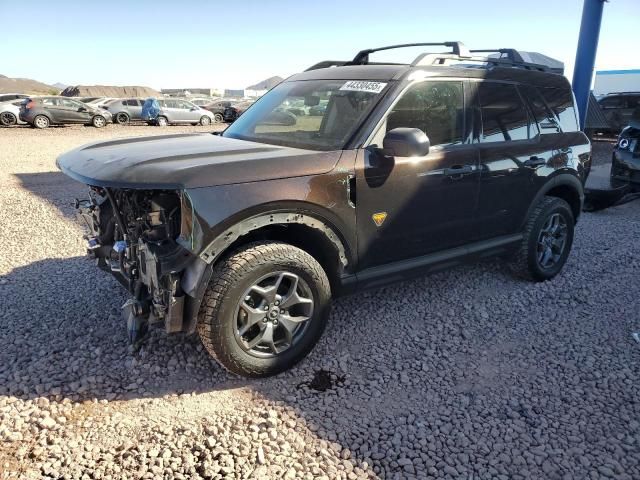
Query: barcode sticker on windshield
(362,86)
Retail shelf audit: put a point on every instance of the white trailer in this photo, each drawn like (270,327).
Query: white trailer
(616,81)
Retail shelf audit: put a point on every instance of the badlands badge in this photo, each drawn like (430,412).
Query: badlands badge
(379,218)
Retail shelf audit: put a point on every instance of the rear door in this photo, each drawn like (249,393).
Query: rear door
(55,110)
(510,153)
(134,107)
(171,110)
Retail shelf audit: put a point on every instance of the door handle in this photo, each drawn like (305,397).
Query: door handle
(535,162)
(458,171)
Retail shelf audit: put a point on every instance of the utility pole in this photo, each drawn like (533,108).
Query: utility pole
(586,54)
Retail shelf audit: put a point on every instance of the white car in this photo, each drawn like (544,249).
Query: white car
(10,113)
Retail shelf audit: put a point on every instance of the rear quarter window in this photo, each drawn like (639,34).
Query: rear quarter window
(560,100)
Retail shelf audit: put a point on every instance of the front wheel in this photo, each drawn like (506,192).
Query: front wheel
(547,241)
(162,121)
(204,120)
(265,309)
(218,118)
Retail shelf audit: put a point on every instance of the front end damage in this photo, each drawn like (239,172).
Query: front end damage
(139,236)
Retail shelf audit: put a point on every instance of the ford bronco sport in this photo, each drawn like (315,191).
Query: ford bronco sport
(245,236)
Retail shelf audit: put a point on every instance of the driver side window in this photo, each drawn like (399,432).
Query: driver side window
(436,108)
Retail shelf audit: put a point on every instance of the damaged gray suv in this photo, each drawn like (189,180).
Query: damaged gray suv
(245,236)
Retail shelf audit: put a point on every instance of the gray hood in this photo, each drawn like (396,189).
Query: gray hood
(188,161)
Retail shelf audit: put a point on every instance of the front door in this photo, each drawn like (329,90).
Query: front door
(74,112)
(413,206)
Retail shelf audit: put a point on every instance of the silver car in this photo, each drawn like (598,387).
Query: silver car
(174,110)
(125,109)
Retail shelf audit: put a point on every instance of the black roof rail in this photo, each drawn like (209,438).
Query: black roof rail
(327,64)
(507,57)
(458,48)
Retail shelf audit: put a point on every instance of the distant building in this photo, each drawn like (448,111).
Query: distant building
(614,81)
(229,92)
(190,92)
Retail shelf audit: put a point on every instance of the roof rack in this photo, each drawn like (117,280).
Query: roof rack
(500,57)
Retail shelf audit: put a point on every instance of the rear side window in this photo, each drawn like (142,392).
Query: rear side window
(504,116)
(541,112)
(436,108)
(560,101)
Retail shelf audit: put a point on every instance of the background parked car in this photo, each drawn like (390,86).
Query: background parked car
(232,112)
(174,111)
(44,111)
(618,108)
(6,97)
(126,109)
(10,113)
(218,107)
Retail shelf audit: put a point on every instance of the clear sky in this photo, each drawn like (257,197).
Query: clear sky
(186,43)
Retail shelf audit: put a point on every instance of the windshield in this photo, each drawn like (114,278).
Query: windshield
(317,114)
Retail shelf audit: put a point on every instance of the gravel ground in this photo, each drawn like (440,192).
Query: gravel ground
(467,374)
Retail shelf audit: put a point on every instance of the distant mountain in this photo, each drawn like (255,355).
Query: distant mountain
(267,84)
(60,86)
(25,85)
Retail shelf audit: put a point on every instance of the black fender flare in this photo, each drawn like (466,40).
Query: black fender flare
(197,275)
(559,180)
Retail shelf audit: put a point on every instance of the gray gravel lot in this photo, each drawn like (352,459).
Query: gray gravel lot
(467,374)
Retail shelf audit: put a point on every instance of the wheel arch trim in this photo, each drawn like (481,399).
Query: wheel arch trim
(219,245)
(559,180)
(197,275)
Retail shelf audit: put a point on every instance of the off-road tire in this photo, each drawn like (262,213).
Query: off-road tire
(41,121)
(230,279)
(99,121)
(524,262)
(122,118)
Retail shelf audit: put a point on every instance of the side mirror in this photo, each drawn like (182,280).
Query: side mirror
(406,142)
(82,109)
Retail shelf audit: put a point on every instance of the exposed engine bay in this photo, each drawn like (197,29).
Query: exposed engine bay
(133,235)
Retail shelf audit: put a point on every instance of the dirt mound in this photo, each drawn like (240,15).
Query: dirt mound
(24,85)
(267,84)
(108,91)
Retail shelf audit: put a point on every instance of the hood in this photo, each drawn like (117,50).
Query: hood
(188,161)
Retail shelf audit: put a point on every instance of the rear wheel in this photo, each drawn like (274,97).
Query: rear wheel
(8,119)
(204,120)
(41,121)
(547,241)
(98,121)
(265,308)
(162,121)
(122,118)
(218,118)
